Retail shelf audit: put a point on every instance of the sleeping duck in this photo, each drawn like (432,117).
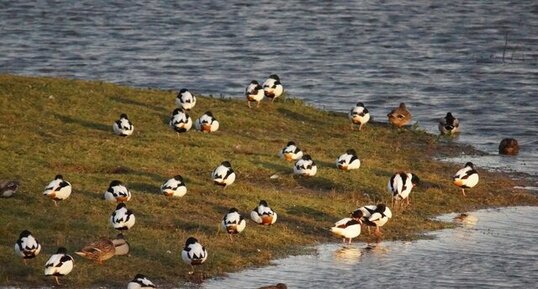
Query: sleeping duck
(59,264)
(263,214)
(272,87)
(27,246)
(466,178)
(399,116)
(254,92)
(348,161)
(185,99)
(291,152)
(359,115)
(58,190)
(98,251)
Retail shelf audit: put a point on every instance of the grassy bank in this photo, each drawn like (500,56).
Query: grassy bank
(54,126)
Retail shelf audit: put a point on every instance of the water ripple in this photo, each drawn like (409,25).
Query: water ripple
(436,57)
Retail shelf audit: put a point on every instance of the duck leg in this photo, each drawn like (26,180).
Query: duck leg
(377,234)
(463,192)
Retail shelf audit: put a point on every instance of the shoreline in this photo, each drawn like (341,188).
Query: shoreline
(306,207)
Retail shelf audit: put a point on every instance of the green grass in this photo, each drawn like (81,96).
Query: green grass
(55,126)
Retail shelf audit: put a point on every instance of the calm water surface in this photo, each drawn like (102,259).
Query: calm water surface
(436,57)
(498,250)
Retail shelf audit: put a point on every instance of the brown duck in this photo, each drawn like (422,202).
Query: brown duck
(98,251)
(400,116)
(509,146)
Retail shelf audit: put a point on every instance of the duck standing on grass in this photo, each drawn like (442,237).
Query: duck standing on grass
(123,126)
(449,124)
(122,218)
(180,121)
(58,189)
(122,247)
(140,282)
(263,214)
(272,87)
(185,99)
(98,251)
(174,187)
(223,175)
(291,152)
(348,161)
(375,216)
(117,192)
(359,115)
(193,253)
(59,264)
(348,228)
(8,188)
(233,222)
(254,92)
(305,167)
(207,123)
(400,186)
(27,246)
(466,178)
(399,116)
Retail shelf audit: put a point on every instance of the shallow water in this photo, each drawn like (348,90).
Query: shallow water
(436,57)
(498,250)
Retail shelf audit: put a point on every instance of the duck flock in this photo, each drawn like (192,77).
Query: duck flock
(400,186)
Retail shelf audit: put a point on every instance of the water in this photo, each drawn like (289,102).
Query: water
(498,250)
(440,57)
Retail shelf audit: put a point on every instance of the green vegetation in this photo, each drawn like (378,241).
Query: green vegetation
(55,126)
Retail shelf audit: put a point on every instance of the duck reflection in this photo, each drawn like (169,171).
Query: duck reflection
(348,255)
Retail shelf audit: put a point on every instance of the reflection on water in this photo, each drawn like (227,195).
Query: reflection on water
(437,56)
(496,248)
(347,254)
